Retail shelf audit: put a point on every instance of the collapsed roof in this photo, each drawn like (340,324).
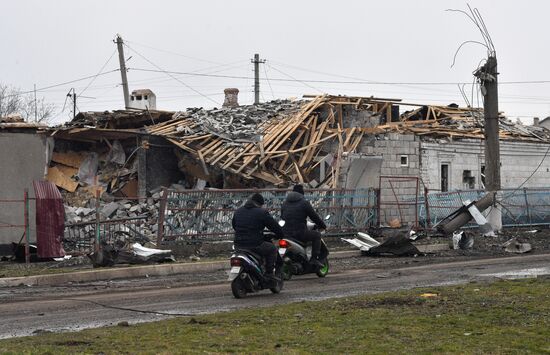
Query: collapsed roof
(288,141)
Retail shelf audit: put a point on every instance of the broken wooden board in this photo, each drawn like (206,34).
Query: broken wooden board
(61,180)
(71,159)
(67,170)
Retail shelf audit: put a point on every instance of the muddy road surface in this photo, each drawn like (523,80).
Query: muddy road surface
(85,306)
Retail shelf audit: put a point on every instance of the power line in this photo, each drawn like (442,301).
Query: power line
(61,84)
(100,71)
(359,82)
(170,74)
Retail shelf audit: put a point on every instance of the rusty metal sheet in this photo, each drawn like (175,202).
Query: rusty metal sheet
(50,220)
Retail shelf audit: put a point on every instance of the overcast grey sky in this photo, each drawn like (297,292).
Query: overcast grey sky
(389,42)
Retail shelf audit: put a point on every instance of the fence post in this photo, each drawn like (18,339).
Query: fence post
(379,203)
(97,224)
(162,208)
(527,206)
(427,207)
(26,214)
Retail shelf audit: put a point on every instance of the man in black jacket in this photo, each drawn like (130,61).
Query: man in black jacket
(249,222)
(294,212)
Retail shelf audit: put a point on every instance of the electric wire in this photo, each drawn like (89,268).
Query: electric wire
(359,82)
(100,71)
(130,309)
(172,76)
(268,82)
(61,84)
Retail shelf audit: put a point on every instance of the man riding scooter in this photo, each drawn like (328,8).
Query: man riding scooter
(295,211)
(249,222)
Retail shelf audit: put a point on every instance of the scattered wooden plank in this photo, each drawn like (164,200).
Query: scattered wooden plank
(59,179)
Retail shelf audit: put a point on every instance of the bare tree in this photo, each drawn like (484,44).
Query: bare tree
(13,102)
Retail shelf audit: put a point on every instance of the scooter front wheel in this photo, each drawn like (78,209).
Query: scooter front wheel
(238,288)
(286,271)
(323,271)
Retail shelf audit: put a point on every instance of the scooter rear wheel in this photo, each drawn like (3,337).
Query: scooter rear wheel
(323,271)
(238,288)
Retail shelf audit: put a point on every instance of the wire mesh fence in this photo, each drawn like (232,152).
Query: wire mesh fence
(188,216)
(83,237)
(520,207)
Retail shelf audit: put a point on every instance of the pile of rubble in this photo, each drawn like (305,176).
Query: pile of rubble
(238,124)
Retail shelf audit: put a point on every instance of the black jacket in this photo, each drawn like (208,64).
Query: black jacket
(249,222)
(295,211)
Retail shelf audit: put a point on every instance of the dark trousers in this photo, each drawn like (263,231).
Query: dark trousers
(315,238)
(269,252)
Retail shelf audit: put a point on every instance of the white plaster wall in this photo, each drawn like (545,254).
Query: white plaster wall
(518,161)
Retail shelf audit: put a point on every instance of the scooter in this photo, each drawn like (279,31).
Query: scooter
(296,255)
(248,273)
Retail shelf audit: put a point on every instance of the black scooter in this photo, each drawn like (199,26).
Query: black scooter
(248,273)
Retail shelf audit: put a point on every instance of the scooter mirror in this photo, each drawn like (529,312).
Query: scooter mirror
(281,223)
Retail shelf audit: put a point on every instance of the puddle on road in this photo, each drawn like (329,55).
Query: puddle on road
(520,274)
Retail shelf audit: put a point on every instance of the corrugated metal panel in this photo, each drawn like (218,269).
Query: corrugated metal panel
(50,220)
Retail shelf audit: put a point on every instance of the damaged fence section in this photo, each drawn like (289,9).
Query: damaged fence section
(188,216)
(520,207)
(83,237)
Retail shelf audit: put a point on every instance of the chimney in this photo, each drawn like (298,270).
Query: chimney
(535,121)
(231,97)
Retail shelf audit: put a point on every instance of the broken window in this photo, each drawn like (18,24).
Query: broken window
(444,177)
(132,97)
(404,160)
(138,97)
(145,97)
(468,180)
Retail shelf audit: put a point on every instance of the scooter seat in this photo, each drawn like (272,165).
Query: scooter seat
(255,255)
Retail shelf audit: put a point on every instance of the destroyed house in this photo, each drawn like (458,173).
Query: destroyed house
(320,141)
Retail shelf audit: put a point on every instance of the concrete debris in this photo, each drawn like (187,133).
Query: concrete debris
(463,240)
(514,246)
(109,209)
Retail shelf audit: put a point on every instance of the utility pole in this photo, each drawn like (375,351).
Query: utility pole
(257,62)
(35,106)
(487,76)
(122,62)
(73,97)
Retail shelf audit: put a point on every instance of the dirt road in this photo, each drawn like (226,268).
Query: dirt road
(85,306)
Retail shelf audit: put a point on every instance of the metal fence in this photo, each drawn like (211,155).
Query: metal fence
(205,215)
(20,225)
(84,237)
(520,207)
(399,199)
